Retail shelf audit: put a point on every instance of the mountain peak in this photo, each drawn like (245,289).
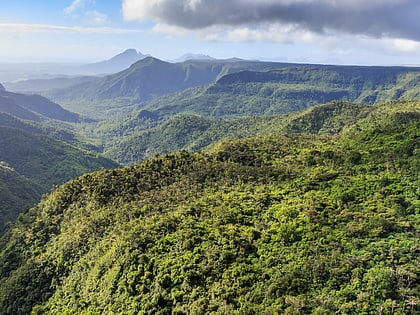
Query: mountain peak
(130,53)
(2,88)
(149,60)
(117,63)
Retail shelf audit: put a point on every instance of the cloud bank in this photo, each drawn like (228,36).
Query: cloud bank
(372,18)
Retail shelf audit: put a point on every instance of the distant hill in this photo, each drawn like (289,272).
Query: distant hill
(115,64)
(33,107)
(221,88)
(150,78)
(277,224)
(8,105)
(290,89)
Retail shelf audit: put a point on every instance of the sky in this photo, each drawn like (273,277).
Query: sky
(362,32)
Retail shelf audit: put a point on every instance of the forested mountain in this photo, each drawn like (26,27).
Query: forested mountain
(32,127)
(36,155)
(277,224)
(223,88)
(33,107)
(291,89)
(149,78)
(192,132)
(17,194)
(32,162)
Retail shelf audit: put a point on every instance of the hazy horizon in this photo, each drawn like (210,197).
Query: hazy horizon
(304,31)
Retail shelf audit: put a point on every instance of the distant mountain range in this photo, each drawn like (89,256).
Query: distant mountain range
(151,77)
(288,89)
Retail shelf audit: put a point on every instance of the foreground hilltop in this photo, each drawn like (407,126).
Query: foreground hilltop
(276,224)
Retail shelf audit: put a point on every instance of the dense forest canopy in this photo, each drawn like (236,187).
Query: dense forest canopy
(281,223)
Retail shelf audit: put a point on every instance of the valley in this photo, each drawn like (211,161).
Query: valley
(210,186)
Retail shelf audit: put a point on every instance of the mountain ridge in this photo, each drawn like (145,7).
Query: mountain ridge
(290,89)
(34,107)
(152,77)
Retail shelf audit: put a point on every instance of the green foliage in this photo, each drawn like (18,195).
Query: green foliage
(133,142)
(32,164)
(46,161)
(292,224)
(289,89)
(16,194)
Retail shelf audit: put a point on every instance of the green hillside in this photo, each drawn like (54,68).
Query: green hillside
(192,132)
(33,107)
(291,89)
(198,117)
(145,80)
(45,160)
(277,224)
(46,129)
(16,194)
(36,163)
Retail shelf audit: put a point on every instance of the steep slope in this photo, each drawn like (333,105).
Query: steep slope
(8,105)
(281,224)
(33,107)
(17,193)
(291,89)
(35,164)
(39,128)
(47,161)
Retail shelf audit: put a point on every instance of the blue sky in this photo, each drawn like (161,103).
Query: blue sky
(364,32)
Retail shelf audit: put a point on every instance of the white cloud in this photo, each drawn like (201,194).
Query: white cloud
(276,33)
(403,45)
(76,4)
(45,28)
